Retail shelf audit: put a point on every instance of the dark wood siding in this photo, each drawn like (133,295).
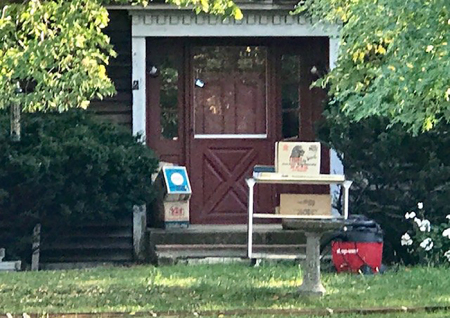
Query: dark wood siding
(117,109)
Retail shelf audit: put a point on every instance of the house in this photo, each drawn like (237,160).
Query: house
(215,94)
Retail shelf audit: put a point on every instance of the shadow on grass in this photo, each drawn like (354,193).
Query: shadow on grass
(214,287)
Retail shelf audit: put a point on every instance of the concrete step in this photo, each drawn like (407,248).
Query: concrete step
(222,242)
(224,250)
(10,266)
(172,254)
(225,234)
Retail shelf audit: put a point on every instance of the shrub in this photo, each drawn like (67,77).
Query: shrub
(428,244)
(69,169)
(392,171)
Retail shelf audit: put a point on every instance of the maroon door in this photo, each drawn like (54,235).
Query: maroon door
(230,131)
(219,109)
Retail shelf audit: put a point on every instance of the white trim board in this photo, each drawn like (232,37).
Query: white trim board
(139,119)
(153,23)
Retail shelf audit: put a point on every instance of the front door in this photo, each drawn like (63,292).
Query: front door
(231,130)
(219,109)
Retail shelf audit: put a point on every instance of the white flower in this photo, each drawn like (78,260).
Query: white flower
(447,254)
(427,244)
(418,221)
(448,217)
(410,215)
(425,226)
(406,240)
(420,205)
(446,233)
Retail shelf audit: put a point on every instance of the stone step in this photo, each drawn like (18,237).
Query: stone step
(171,254)
(222,242)
(222,250)
(225,234)
(10,266)
(174,253)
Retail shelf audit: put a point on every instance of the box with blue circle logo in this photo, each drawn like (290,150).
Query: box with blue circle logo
(177,183)
(177,192)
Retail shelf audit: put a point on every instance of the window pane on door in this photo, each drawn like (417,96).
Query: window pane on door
(290,96)
(163,65)
(169,99)
(229,90)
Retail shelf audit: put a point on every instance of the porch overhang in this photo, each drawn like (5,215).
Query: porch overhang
(255,23)
(260,20)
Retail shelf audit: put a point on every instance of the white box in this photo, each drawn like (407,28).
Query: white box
(297,158)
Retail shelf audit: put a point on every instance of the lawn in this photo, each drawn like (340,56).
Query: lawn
(440,314)
(216,288)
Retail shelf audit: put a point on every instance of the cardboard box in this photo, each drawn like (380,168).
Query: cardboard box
(306,205)
(176,184)
(176,214)
(173,192)
(297,158)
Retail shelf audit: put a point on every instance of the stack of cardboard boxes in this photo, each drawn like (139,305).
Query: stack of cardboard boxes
(174,193)
(301,159)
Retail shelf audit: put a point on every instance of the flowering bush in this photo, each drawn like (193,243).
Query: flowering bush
(427,243)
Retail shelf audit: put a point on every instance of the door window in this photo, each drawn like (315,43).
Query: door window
(290,95)
(169,99)
(229,91)
(164,63)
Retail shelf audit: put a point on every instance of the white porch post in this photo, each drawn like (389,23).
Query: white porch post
(138,86)
(336,166)
(334,51)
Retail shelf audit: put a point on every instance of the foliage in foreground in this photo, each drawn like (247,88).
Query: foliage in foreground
(213,287)
(55,51)
(68,169)
(392,171)
(394,59)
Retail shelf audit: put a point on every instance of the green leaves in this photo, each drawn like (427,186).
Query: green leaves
(224,8)
(71,169)
(56,51)
(394,59)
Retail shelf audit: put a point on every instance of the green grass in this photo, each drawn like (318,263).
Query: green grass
(440,314)
(215,287)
